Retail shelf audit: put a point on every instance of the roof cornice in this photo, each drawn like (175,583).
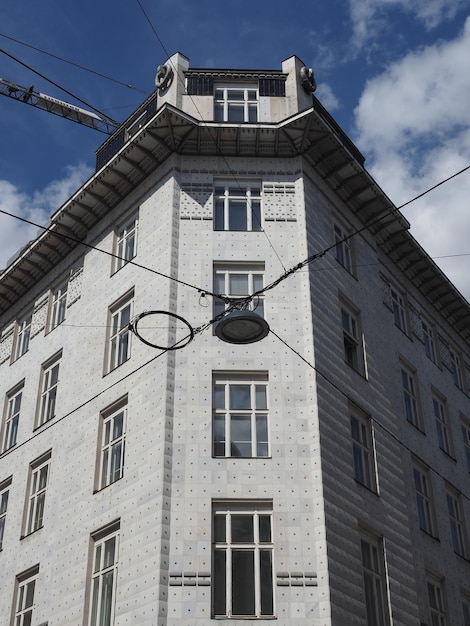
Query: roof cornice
(307,134)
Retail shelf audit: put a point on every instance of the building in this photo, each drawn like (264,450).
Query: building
(319,476)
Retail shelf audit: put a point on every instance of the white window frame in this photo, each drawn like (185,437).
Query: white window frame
(252,274)
(25,589)
(244,194)
(224,547)
(103,576)
(353,341)
(437,606)
(430,345)
(23,334)
(399,309)
(457,522)
(49,383)
(39,472)
(112,444)
(126,241)
(410,395)
(224,416)
(465,429)
(343,249)
(444,438)
(362,438)
(424,499)
(58,305)
(374,579)
(456,368)
(11,418)
(226,104)
(119,335)
(4,495)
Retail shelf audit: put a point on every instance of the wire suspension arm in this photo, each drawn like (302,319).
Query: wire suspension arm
(27,95)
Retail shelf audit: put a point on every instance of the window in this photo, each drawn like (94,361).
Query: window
(11,417)
(23,334)
(399,309)
(352,339)
(373,572)
(38,481)
(102,592)
(343,247)
(58,305)
(363,451)
(429,341)
(457,526)
(465,426)
(48,390)
(456,368)
(24,596)
(240,419)
(238,280)
(4,493)
(243,572)
(126,242)
(237,206)
(442,426)
(436,602)
(423,499)
(119,349)
(236,103)
(113,431)
(410,396)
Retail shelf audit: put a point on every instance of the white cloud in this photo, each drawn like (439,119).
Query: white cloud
(37,208)
(369,17)
(326,96)
(413,123)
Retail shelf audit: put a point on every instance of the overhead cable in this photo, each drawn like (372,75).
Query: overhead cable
(81,67)
(110,119)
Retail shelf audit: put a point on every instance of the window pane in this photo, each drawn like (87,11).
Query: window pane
(236,112)
(219,213)
(29,594)
(242,528)
(118,424)
(260,397)
(255,215)
(266,582)
(237,219)
(238,284)
(116,462)
(109,548)
(219,396)
(219,528)
(106,599)
(219,582)
(265,528)
(240,428)
(240,397)
(257,282)
(243,582)
(235,94)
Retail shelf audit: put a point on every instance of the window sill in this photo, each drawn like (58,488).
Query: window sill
(416,427)
(369,489)
(430,535)
(33,532)
(43,424)
(448,455)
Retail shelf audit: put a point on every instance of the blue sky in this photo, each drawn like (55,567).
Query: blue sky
(394,73)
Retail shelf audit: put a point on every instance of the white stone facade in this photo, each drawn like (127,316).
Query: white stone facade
(313,481)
